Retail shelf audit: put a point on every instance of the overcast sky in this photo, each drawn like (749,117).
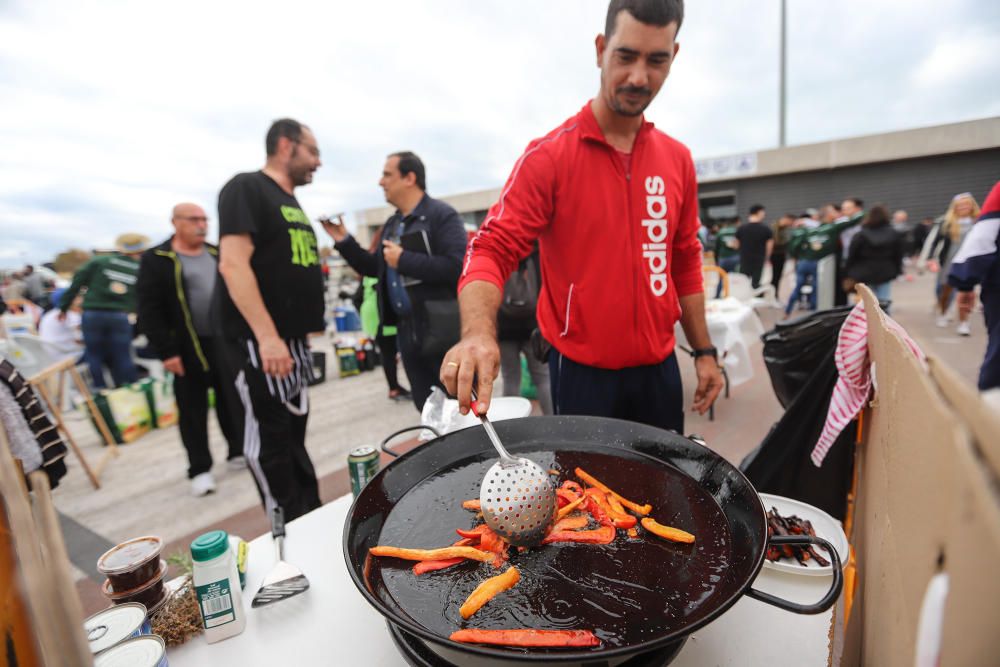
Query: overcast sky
(111,112)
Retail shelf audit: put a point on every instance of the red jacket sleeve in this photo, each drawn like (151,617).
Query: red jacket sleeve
(685,265)
(508,233)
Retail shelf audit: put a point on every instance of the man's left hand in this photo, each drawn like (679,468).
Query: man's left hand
(391,251)
(709,383)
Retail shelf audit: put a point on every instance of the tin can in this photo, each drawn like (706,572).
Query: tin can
(139,652)
(113,626)
(363,463)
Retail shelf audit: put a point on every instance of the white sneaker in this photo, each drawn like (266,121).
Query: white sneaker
(942,321)
(203,484)
(236,463)
(964,329)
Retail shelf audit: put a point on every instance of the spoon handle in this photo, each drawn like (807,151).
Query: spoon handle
(505,458)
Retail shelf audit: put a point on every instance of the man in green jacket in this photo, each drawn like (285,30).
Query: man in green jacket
(110,298)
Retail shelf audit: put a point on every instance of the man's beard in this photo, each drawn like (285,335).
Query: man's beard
(300,175)
(619,108)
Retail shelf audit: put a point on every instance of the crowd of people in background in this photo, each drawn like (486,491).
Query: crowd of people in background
(870,246)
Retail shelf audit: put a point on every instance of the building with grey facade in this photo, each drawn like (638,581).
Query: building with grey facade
(918,170)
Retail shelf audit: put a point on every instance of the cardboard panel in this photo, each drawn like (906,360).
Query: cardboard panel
(904,499)
(973,549)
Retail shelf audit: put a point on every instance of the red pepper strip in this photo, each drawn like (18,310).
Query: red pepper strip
(572,487)
(618,519)
(567,495)
(424,566)
(602,535)
(490,541)
(596,511)
(473,533)
(574,522)
(527,637)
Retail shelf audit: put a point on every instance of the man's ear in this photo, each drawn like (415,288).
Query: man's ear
(600,43)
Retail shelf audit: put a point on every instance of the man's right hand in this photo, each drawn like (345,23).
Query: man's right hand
(275,359)
(174,365)
(476,356)
(335,228)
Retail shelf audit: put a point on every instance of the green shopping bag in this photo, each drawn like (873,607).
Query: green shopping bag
(126,412)
(162,403)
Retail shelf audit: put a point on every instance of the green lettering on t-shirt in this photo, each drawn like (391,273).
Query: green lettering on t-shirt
(303,243)
(294,214)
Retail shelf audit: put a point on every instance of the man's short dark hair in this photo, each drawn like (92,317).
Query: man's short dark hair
(283,127)
(409,163)
(651,12)
(857,202)
(756,208)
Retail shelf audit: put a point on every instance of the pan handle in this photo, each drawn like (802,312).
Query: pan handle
(831,596)
(384,446)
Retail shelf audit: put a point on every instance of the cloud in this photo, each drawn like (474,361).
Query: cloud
(114,112)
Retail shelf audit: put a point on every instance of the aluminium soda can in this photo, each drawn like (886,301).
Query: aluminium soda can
(363,462)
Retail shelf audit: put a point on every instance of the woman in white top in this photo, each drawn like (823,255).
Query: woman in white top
(957,222)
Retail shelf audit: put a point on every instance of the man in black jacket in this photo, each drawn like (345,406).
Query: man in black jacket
(175,286)
(417,284)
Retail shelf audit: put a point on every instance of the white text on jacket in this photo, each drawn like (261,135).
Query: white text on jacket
(655,251)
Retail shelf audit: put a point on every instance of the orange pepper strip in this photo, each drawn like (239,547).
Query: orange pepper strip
(571,523)
(602,535)
(425,566)
(564,496)
(620,520)
(666,532)
(472,505)
(632,532)
(527,637)
(635,507)
(489,589)
(563,511)
(432,554)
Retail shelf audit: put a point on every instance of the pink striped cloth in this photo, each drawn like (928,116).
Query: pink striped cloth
(855,381)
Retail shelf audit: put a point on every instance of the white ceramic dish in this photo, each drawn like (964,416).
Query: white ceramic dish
(825,526)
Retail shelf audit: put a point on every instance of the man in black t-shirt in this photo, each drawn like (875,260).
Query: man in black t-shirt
(270,299)
(755,241)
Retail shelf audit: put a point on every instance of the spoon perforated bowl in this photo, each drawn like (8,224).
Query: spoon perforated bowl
(517,497)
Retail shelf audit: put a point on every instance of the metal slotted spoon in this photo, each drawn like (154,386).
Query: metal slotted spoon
(517,497)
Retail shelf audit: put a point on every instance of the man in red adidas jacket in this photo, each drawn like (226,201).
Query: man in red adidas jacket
(613,203)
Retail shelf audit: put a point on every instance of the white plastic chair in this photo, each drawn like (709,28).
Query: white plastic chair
(29,354)
(742,289)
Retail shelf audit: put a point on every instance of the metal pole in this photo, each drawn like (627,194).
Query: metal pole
(781,78)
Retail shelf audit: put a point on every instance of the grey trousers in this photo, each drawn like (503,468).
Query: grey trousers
(510,371)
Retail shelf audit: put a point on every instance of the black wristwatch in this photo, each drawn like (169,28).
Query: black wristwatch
(706,352)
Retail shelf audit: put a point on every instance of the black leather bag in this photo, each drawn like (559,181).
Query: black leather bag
(442,327)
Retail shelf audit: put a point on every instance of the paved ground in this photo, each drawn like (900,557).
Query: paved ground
(145,490)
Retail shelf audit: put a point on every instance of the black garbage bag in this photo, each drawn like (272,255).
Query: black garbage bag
(781,464)
(794,350)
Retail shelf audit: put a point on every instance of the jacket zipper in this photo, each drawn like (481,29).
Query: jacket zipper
(178,281)
(569,302)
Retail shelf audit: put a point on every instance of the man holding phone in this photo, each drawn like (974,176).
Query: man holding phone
(417,269)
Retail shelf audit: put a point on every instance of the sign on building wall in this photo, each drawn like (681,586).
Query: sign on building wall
(729,166)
